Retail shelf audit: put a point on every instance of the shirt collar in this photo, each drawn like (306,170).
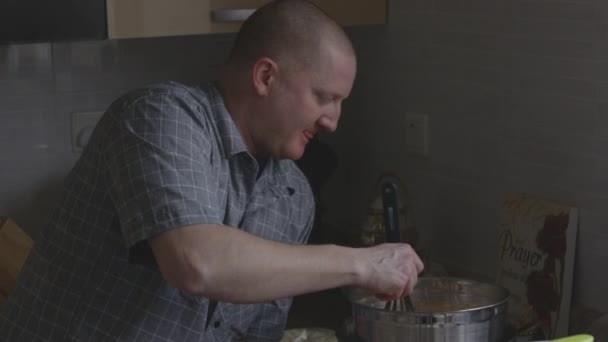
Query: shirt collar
(232,141)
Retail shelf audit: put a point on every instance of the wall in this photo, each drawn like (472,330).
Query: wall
(516,94)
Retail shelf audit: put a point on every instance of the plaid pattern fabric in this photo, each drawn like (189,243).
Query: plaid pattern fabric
(161,157)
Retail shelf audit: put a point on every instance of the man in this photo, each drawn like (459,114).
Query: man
(184,217)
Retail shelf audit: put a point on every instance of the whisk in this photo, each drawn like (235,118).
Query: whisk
(401,304)
(390,203)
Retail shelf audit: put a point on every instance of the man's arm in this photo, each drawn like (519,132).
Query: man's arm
(228,264)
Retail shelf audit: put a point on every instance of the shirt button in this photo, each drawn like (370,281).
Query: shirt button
(217,324)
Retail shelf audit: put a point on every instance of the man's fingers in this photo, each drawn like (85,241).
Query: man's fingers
(419,264)
(412,282)
(385,298)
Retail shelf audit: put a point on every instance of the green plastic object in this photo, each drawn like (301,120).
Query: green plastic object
(575,338)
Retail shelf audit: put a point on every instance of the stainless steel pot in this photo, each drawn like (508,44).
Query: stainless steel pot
(447,310)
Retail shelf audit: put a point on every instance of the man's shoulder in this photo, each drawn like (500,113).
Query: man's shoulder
(171,88)
(157,98)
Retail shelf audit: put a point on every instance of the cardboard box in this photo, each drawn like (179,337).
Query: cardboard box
(537,240)
(15,246)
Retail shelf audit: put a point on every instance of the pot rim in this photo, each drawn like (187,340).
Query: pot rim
(367,304)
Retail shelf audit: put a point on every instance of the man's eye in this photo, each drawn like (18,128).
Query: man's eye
(323,98)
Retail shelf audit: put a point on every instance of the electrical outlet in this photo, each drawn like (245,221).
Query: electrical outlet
(416,133)
(83,124)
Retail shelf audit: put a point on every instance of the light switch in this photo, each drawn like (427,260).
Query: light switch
(83,124)
(416,133)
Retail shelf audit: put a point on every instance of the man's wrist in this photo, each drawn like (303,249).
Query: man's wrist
(356,271)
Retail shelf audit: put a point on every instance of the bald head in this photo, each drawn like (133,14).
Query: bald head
(290,32)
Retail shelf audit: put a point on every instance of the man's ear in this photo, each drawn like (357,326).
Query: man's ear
(264,73)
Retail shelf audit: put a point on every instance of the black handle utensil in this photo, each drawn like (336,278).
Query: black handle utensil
(390,205)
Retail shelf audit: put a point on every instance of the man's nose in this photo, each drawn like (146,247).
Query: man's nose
(329,121)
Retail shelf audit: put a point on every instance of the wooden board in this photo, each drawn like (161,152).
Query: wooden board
(157,18)
(15,246)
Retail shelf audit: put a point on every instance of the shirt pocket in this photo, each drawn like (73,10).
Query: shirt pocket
(269,214)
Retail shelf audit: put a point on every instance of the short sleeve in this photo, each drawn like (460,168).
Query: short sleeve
(159,163)
(269,325)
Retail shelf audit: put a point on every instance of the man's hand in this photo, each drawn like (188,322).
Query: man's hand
(391,270)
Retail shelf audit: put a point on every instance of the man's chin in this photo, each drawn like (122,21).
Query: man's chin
(290,157)
(293,154)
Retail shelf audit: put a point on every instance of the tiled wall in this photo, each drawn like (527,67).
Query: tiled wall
(41,85)
(516,92)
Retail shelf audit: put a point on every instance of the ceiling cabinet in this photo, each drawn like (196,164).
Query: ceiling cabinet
(154,18)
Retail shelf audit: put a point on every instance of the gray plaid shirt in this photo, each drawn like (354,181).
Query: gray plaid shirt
(162,157)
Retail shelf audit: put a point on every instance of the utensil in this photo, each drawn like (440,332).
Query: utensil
(390,204)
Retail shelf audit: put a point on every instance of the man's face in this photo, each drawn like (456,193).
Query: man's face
(302,102)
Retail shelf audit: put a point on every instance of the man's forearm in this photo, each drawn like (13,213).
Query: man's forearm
(228,264)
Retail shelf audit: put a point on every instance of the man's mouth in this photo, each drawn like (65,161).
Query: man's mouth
(308,135)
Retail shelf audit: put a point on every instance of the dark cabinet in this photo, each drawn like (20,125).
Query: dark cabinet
(23,21)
